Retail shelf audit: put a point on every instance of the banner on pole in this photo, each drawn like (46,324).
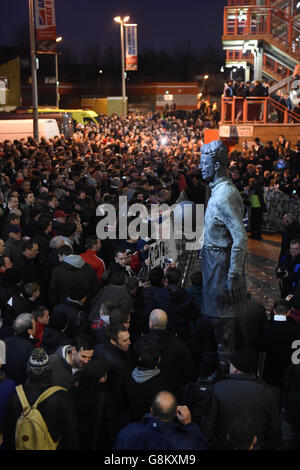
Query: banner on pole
(45,26)
(131,57)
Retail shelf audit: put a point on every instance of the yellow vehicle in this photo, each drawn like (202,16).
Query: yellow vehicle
(82,116)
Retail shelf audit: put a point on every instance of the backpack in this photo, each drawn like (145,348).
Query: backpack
(31,430)
(198,396)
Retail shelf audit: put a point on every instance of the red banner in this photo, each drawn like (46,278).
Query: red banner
(45,26)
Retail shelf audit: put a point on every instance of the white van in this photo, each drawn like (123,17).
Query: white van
(12,129)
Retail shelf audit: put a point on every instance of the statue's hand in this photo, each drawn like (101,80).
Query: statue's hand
(234,287)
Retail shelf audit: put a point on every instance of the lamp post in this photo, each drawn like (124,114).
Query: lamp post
(206,77)
(59,39)
(33,73)
(121,21)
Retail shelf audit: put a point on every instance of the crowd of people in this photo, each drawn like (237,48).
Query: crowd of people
(130,350)
(259,89)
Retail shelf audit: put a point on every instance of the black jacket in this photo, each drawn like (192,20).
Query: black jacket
(278,337)
(139,394)
(99,420)
(72,272)
(77,317)
(58,412)
(241,394)
(53,339)
(18,350)
(179,306)
(29,270)
(176,361)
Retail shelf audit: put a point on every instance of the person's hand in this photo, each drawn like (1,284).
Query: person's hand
(234,288)
(146,247)
(147,262)
(289,297)
(183,415)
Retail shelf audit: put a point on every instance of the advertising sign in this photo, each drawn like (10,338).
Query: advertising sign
(45,26)
(131,56)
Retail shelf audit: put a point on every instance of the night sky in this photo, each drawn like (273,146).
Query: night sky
(162,24)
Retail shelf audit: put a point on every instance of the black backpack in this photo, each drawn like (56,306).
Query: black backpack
(198,395)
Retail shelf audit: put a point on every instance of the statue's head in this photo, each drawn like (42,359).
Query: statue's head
(214,160)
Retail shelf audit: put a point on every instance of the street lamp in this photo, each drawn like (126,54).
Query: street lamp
(121,21)
(59,39)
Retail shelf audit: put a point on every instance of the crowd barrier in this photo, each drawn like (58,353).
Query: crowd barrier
(278,204)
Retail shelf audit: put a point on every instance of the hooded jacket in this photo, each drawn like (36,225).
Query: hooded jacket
(176,361)
(72,272)
(62,373)
(140,387)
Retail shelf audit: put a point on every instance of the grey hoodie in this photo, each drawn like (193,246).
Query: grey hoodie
(140,376)
(74,260)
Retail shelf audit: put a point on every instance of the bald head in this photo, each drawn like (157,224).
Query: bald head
(164,406)
(158,319)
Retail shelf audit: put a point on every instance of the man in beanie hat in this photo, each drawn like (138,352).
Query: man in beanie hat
(99,420)
(238,394)
(57,410)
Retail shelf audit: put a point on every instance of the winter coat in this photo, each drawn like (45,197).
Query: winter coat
(237,395)
(29,270)
(278,337)
(18,350)
(140,387)
(58,411)
(99,420)
(13,249)
(72,272)
(119,295)
(176,361)
(53,339)
(77,317)
(95,262)
(7,386)
(153,434)
(61,373)
(180,308)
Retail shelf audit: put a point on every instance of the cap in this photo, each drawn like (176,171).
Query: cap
(96,369)
(38,363)
(244,360)
(60,214)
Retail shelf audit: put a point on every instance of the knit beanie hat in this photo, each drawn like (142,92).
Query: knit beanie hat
(38,364)
(245,361)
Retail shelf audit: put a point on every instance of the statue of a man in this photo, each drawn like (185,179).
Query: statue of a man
(224,251)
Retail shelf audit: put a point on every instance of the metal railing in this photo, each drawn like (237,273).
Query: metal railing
(255,21)
(262,110)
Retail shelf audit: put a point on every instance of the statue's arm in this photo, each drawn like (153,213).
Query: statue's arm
(232,215)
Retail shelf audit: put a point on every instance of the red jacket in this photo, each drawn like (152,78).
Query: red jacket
(96,263)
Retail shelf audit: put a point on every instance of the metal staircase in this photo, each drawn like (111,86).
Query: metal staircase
(273,26)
